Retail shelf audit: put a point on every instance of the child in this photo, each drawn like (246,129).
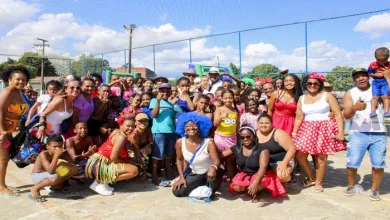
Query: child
(148,86)
(52,88)
(226,119)
(102,104)
(163,131)
(133,108)
(184,100)
(115,85)
(141,137)
(237,99)
(379,83)
(218,93)
(49,170)
(80,147)
(145,99)
(251,114)
(202,106)
(173,98)
(114,110)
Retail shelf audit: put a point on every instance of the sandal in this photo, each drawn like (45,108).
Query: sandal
(308,183)
(165,183)
(10,195)
(16,190)
(318,188)
(37,198)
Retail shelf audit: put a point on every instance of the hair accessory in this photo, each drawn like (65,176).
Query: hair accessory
(249,128)
(263,80)
(314,75)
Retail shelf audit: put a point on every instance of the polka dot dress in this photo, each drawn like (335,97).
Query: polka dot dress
(315,137)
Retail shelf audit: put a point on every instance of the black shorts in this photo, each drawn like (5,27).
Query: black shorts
(94,127)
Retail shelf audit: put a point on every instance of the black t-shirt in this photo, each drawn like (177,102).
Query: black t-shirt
(249,165)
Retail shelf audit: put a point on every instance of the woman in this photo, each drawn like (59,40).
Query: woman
(141,137)
(83,104)
(253,163)
(268,89)
(251,114)
(280,146)
(283,103)
(12,107)
(195,147)
(111,163)
(314,130)
(58,110)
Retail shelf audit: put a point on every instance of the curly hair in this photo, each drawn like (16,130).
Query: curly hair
(11,70)
(203,122)
(54,83)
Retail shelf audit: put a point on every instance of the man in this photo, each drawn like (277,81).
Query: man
(191,75)
(216,82)
(365,134)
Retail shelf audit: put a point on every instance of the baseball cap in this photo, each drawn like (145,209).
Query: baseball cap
(160,77)
(359,70)
(165,86)
(190,72)
(140,116)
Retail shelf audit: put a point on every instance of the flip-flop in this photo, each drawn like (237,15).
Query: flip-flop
(37,198)
(165,183)
(318,188)
(63,190)
(308,183)
(10,195)
(13,189)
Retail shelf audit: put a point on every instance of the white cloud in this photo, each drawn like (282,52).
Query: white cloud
(375,25)
(13,12)
(261,49)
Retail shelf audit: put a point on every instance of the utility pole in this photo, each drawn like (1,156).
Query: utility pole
(43,45)
(130,28)
(218,60)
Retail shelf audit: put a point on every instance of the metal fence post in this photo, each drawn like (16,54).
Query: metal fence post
(239,49)
(189,41)
(306,50)
(102,63)
(154,61)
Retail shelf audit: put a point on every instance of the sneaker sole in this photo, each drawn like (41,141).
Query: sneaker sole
(348,195)
(374,199)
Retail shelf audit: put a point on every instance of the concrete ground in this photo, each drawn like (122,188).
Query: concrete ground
(133,200)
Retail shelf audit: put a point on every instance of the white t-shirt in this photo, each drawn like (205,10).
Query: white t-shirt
(44,100)
(215,86)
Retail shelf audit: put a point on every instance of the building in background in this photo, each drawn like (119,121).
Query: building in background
(144,72)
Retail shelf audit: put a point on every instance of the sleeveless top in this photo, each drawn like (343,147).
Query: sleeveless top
(86,107)
(228,125)
(202,160)
(54,120)
(107,147)
(183,105)
(19,109)
(283,109)
(361,121)
(251,164)
(276,152)
(316,111)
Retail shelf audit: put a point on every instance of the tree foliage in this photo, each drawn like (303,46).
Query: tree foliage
(89,63)
(33,59)
(264,68)
(236,70)
(12,62)
(340,78)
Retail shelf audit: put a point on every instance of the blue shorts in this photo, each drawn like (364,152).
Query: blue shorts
(373,142)
(380,87)
(164,145)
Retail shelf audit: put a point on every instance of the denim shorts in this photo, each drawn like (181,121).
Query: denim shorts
(373,142)
(164,145)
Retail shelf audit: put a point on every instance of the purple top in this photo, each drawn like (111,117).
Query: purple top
(86,108)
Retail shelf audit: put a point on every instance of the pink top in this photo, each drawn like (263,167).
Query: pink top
(128,93)
(86,107)
(249,119)
(115,91)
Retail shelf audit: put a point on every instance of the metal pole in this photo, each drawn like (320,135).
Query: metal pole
(239,48)
(189,40)
(154,61)
(218,61)
(43,45)
(102,64)
(124,67)
(306,50)
(130,45)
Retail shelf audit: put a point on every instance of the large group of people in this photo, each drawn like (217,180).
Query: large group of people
(202,131)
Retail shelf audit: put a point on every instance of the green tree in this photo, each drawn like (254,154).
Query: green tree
(340,78)
(12,62)
(33,59)
(91,64)
(264,69)
(236,70)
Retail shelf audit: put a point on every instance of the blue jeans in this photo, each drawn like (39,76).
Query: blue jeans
(164,145)
(373,142)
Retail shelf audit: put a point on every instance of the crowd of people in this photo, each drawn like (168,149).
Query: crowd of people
(201,132)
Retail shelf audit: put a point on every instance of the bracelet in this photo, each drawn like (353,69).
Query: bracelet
(213,165)
(41,127)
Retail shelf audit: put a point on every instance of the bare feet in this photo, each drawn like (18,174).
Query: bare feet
(8,192)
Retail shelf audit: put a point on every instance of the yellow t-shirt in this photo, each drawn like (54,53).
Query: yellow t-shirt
(228,125)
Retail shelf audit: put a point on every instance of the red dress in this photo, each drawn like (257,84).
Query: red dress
(107,147)
(284,116)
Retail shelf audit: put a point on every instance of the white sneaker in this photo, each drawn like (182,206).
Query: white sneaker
(99,188)
(109,188)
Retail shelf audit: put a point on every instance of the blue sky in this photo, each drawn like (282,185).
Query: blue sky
(78,26)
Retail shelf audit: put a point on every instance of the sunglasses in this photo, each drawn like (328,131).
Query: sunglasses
(77,88)
(245,137)
(312,84)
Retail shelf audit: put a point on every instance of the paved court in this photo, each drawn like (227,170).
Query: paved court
(145,201)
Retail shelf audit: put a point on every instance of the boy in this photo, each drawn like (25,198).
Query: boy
(80,147)
(48,170)
(163,131)
(52,88)
(99,115)
(379,83)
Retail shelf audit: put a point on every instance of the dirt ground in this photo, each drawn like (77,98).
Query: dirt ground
(145,201)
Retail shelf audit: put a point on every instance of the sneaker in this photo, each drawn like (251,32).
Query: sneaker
(99,188)
(372,114)
(374,196)
(387,114)
(109,188)
(350,191)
